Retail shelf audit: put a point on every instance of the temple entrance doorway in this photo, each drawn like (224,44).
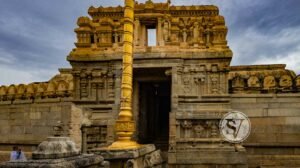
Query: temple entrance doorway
(153,107)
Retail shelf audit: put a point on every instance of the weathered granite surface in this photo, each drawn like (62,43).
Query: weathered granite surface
(86,160)
(145,156)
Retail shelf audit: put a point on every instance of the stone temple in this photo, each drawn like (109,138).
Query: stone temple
(182,86)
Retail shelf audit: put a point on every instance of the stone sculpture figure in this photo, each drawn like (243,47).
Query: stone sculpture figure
(269,82)
(196,32)
(285,81)
(253,81)
(297,82)
(208,32)
(199,131)
(166,30)
(184,35)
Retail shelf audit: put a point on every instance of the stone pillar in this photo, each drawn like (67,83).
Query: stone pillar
(84,140)
(143,35)
(136,32)
(125,126)
(159,39)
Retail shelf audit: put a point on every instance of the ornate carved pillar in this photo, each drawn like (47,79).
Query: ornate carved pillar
(125,126)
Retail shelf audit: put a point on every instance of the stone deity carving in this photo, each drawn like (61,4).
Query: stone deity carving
(199,131)
(297,82)
(184,35)
(285,81)
(208,32)
(196,32)
(166,30)
(253,81)
(115,36)
(269,82)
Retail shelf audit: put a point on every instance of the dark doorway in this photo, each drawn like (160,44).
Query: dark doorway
(154,108)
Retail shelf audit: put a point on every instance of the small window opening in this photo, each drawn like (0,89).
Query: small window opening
(151,37)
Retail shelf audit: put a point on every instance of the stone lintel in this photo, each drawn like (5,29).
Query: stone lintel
(112,154)
(258,67)
(5,102)
(23,101)
(49,100)
(166,54)
(202,114)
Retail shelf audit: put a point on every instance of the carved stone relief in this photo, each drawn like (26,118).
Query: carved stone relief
(269,82)
(285,81)
(199,128)
(97,84)
(253,82)
(297,82)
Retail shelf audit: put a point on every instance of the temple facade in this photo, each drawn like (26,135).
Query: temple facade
(182,86)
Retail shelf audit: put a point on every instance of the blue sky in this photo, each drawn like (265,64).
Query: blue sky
(37,35)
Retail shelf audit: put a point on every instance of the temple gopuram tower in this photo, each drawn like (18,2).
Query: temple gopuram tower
(148,87)
(179,83)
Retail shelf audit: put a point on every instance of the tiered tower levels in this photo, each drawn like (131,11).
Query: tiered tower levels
(187,29)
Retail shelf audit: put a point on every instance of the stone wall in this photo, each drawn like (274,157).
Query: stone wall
(275,134)
(28,124)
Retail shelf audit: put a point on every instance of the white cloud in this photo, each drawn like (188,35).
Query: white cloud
(6,57)
(291,60)
(254,47)
(44,35)
(10,75)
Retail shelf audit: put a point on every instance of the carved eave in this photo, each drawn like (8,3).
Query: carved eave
(201,10)
(140,8)
(90,55)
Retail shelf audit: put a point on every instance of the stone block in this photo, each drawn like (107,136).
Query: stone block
(4,122)
(292,120)
(288,138)
(43,108)
(245,100)
(240,105)
(124,153)
(17,130)
(35,115)
(56,108)
(5,102)
(38,122)
(216,157)
(16,115)
(4,115)
(172,130)
(285,112)
(86,160)
(262,138)
(18,122)
(290,129)
(5,129)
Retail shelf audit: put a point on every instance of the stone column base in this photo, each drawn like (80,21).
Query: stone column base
(142,157)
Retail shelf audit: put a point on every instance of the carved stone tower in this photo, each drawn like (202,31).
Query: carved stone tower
(180,84)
